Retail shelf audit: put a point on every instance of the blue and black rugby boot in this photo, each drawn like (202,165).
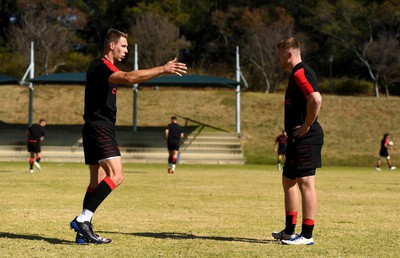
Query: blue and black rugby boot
(80,239)
(86,230)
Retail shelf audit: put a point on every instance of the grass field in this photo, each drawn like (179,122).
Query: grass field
(201,211)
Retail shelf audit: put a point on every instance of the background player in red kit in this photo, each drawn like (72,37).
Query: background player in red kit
(36,135)
(304,144)
(100,147)
(384,153)
(280,148)
(173,136)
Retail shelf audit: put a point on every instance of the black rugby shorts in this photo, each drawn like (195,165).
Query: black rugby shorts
(99,142)
(281,151)
(173,145)
(302,160)
(34,147)
(383,153)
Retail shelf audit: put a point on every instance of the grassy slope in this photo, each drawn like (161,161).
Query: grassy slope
(353,125)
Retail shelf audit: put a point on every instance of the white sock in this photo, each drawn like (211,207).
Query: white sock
(86,215)
(173,167)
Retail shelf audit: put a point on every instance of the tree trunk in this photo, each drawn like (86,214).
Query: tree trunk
(387,91)
(376,86)
(275,84)
(268,86)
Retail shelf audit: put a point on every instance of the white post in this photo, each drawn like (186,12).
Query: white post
(135,91)
(237,92)
(31,75)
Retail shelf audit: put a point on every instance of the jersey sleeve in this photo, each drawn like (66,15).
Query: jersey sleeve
(108,68)
(385,144)
(305,81)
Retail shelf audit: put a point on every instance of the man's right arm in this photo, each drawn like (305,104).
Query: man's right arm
(166,134)
(314,101)
(138,76)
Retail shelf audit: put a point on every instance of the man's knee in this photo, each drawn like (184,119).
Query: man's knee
(118,178)
(306,183)
(121,180)
(113,169)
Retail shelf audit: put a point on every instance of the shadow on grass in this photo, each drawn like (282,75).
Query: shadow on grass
(161,235)
(134,172)
(14,172)
(54,241)
(184,236)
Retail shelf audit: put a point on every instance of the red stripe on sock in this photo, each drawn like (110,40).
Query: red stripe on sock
(31,160)
(308,222)
(110,183)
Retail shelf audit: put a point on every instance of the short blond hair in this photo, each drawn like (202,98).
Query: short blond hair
(289,43)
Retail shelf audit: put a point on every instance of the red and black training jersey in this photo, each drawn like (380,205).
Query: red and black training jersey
(302,82)
(384,152)
(36,131)
(281,140)
(100,95)
(174,132)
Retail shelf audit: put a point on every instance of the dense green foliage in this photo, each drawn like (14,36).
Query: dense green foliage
(346,86)
(362,37)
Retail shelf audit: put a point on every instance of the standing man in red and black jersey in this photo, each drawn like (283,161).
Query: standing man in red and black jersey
(101,149)
(36,135)
(280,148)
(305,140)
(173,136)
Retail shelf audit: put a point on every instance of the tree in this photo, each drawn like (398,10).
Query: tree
(259,32)
(261,39)
(368,30)
(49,25)
(7,12)
(101,16)
(159,38)
(385,59)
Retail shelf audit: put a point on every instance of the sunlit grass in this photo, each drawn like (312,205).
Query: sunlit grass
(201,211)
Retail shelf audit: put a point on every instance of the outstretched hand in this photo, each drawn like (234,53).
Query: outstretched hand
(174,67)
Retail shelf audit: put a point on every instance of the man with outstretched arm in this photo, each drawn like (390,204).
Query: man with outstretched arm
(101,149)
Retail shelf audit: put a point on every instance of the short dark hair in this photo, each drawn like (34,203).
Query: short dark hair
(42,120)
(113,35)
(174,118)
